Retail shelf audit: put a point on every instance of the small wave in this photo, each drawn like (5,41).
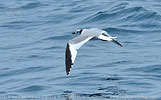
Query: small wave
(62,37)
(120,62)
(111,78)
(143,26)
(95,95)
(144,15)
(69,95)
(108,14)
(10,6)
(4,69)
(2,92)
(32,88)
(137,82)
(148,69)
(33,5)
(123,14)
(2,7)
(102,65)
(53,47)
(38,56)
(83,84)
(157,40)
(86,78)
(109,92)
(77,9)
(125,30)
(16,24)
(112,63)
(23,71)
(118,7)
(114,90)
(152,69)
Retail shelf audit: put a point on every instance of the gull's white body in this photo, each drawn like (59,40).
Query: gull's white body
(85,35)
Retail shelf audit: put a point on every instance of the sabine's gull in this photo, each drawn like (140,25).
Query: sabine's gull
(85,35)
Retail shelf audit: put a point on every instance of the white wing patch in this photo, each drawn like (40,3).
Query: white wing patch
(102,37)
(73,53)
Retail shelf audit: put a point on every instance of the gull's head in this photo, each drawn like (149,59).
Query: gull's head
(79,31)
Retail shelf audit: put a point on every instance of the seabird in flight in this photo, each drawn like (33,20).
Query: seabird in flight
(85,35)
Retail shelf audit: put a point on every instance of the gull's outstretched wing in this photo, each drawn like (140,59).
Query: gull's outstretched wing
(71,51)
(70,56)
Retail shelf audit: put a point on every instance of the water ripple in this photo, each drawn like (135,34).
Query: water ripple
(32,5)
(148,69)
(32,88)
(57,37)
(23,71)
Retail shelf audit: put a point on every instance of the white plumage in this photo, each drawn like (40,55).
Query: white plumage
(85,35)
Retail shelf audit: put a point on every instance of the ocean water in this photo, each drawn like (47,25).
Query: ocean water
(33,37)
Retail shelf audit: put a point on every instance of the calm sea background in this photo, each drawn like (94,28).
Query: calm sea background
(33,37)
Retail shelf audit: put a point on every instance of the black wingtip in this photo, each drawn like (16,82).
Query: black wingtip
(68,61)
(67,73)
(116,42)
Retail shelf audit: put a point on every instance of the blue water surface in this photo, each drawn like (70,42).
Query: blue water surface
(33,37)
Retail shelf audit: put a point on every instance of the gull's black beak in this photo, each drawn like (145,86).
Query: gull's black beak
(116,42)
(73,33)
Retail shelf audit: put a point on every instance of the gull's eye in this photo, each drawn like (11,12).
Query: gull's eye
(79,31)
